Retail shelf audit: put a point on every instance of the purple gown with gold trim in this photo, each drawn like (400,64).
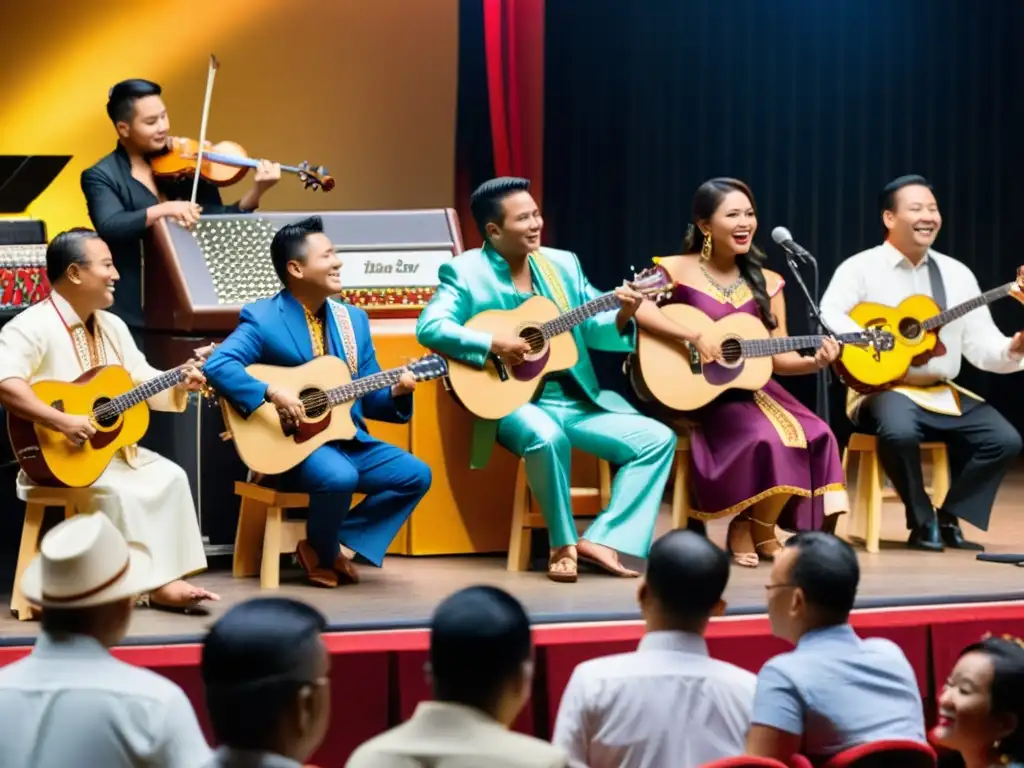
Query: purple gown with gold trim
(747,446)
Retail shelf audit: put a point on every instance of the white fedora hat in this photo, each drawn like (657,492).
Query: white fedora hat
(85,561)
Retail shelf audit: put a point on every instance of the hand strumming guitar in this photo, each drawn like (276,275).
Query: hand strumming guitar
(288,405)
(511,349)
(709,351)
(76,429)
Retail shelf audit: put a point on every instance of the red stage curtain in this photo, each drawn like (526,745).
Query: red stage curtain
(514,60)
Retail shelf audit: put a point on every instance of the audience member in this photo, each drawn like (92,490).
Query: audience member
(481,669)
(266,672)
(835,690)
(668,704)
(981,708)
(70,702)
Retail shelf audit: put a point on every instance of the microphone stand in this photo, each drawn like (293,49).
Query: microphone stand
(822,377)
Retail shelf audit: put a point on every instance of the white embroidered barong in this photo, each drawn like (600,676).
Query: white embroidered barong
(145,495)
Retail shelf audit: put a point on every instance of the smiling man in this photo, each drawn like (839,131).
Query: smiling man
(571,410)
(146,496)
(291,328)
(982,444)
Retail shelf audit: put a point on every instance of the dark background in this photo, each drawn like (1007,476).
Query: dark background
(815,104)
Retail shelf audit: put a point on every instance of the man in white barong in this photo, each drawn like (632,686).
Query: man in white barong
(146,496)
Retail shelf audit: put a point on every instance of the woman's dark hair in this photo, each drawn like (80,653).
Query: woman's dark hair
(1007,692)
(706,200)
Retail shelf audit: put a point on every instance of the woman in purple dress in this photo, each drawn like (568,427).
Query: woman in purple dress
(760,457)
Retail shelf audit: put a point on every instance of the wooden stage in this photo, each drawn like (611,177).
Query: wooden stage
(405,591)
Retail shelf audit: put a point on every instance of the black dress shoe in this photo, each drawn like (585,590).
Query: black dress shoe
(953,538)
(926,537)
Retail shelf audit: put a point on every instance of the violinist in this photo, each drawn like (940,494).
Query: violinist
(125,196)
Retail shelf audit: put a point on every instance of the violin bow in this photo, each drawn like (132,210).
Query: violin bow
(210,75)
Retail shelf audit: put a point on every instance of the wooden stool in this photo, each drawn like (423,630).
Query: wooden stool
(524,519)
(35,512)
(265,533)
(867,504)
(681,483)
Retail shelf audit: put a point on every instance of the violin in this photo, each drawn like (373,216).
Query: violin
(225,163)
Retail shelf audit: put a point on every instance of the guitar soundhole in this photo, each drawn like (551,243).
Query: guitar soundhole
(533,337)
(910,328)
(105,420)
(315,401)
(731,350)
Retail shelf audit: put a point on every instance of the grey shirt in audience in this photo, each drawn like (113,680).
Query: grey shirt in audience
(837,691)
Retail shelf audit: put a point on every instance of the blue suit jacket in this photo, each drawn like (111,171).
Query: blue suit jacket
(274,332)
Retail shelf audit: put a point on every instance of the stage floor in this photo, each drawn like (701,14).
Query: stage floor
(405,591)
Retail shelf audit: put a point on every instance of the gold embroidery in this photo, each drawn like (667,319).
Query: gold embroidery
(551,278)
(789,429)
(316,332)
(348,336)
(790,490)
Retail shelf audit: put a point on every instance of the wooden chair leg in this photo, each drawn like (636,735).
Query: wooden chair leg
(29,547)
(519,538)
(604,472)
(871,472)
(940,475)
(270,569)
(252,521)
(680,491)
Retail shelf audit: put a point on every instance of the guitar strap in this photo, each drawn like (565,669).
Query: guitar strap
(547,271)
(348,335)
(935,278)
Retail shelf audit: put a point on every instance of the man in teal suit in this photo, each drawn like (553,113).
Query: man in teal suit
(289,329)
(570,409)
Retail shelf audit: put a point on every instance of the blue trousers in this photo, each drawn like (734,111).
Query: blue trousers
(393,480)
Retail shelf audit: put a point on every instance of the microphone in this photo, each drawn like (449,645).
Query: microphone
(784,238)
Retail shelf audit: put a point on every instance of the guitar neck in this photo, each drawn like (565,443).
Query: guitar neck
(778,345)
(242,162)
(968,306)
(144,391)
(365,386)
(566,322)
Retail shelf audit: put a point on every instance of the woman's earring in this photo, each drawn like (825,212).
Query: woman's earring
(705,251)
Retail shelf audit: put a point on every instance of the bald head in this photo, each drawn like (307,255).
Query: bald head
(686,575)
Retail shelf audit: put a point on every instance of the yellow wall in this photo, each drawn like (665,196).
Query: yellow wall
(364,87)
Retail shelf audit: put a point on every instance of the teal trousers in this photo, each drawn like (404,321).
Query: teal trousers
(544,433)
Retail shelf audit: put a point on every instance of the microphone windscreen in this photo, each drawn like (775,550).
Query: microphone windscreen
(780,235)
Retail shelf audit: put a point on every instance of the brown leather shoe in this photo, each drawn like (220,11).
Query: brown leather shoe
(320,577)
(346,570)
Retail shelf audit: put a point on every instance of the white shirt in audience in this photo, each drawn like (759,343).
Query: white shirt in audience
(71,703)
(668,705)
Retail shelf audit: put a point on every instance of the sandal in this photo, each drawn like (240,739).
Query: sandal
(561,557)
(748,559)
(766,548)
(611,565)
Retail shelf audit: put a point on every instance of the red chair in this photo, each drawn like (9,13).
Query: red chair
(892,753)
(799,761)
(745,761)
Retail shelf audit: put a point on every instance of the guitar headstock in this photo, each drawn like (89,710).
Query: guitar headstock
(653,283)
(315,178)
(431,366)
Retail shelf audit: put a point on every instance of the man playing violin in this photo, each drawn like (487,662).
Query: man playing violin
(146,496)
(125,197)
(927,404)
(571,410)
(299,323)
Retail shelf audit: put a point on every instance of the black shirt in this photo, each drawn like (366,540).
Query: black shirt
(117,204)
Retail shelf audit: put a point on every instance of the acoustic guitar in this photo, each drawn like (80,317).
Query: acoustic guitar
(269,446)
(497,389)
(673,374)
(914,324)
(115,404)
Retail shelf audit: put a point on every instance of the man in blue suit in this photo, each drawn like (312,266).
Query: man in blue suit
(300,323)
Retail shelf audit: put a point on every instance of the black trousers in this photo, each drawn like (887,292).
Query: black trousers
(982,445)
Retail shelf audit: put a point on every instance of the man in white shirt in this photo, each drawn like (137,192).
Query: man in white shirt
(926,404)
(668,704)
(70,702)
